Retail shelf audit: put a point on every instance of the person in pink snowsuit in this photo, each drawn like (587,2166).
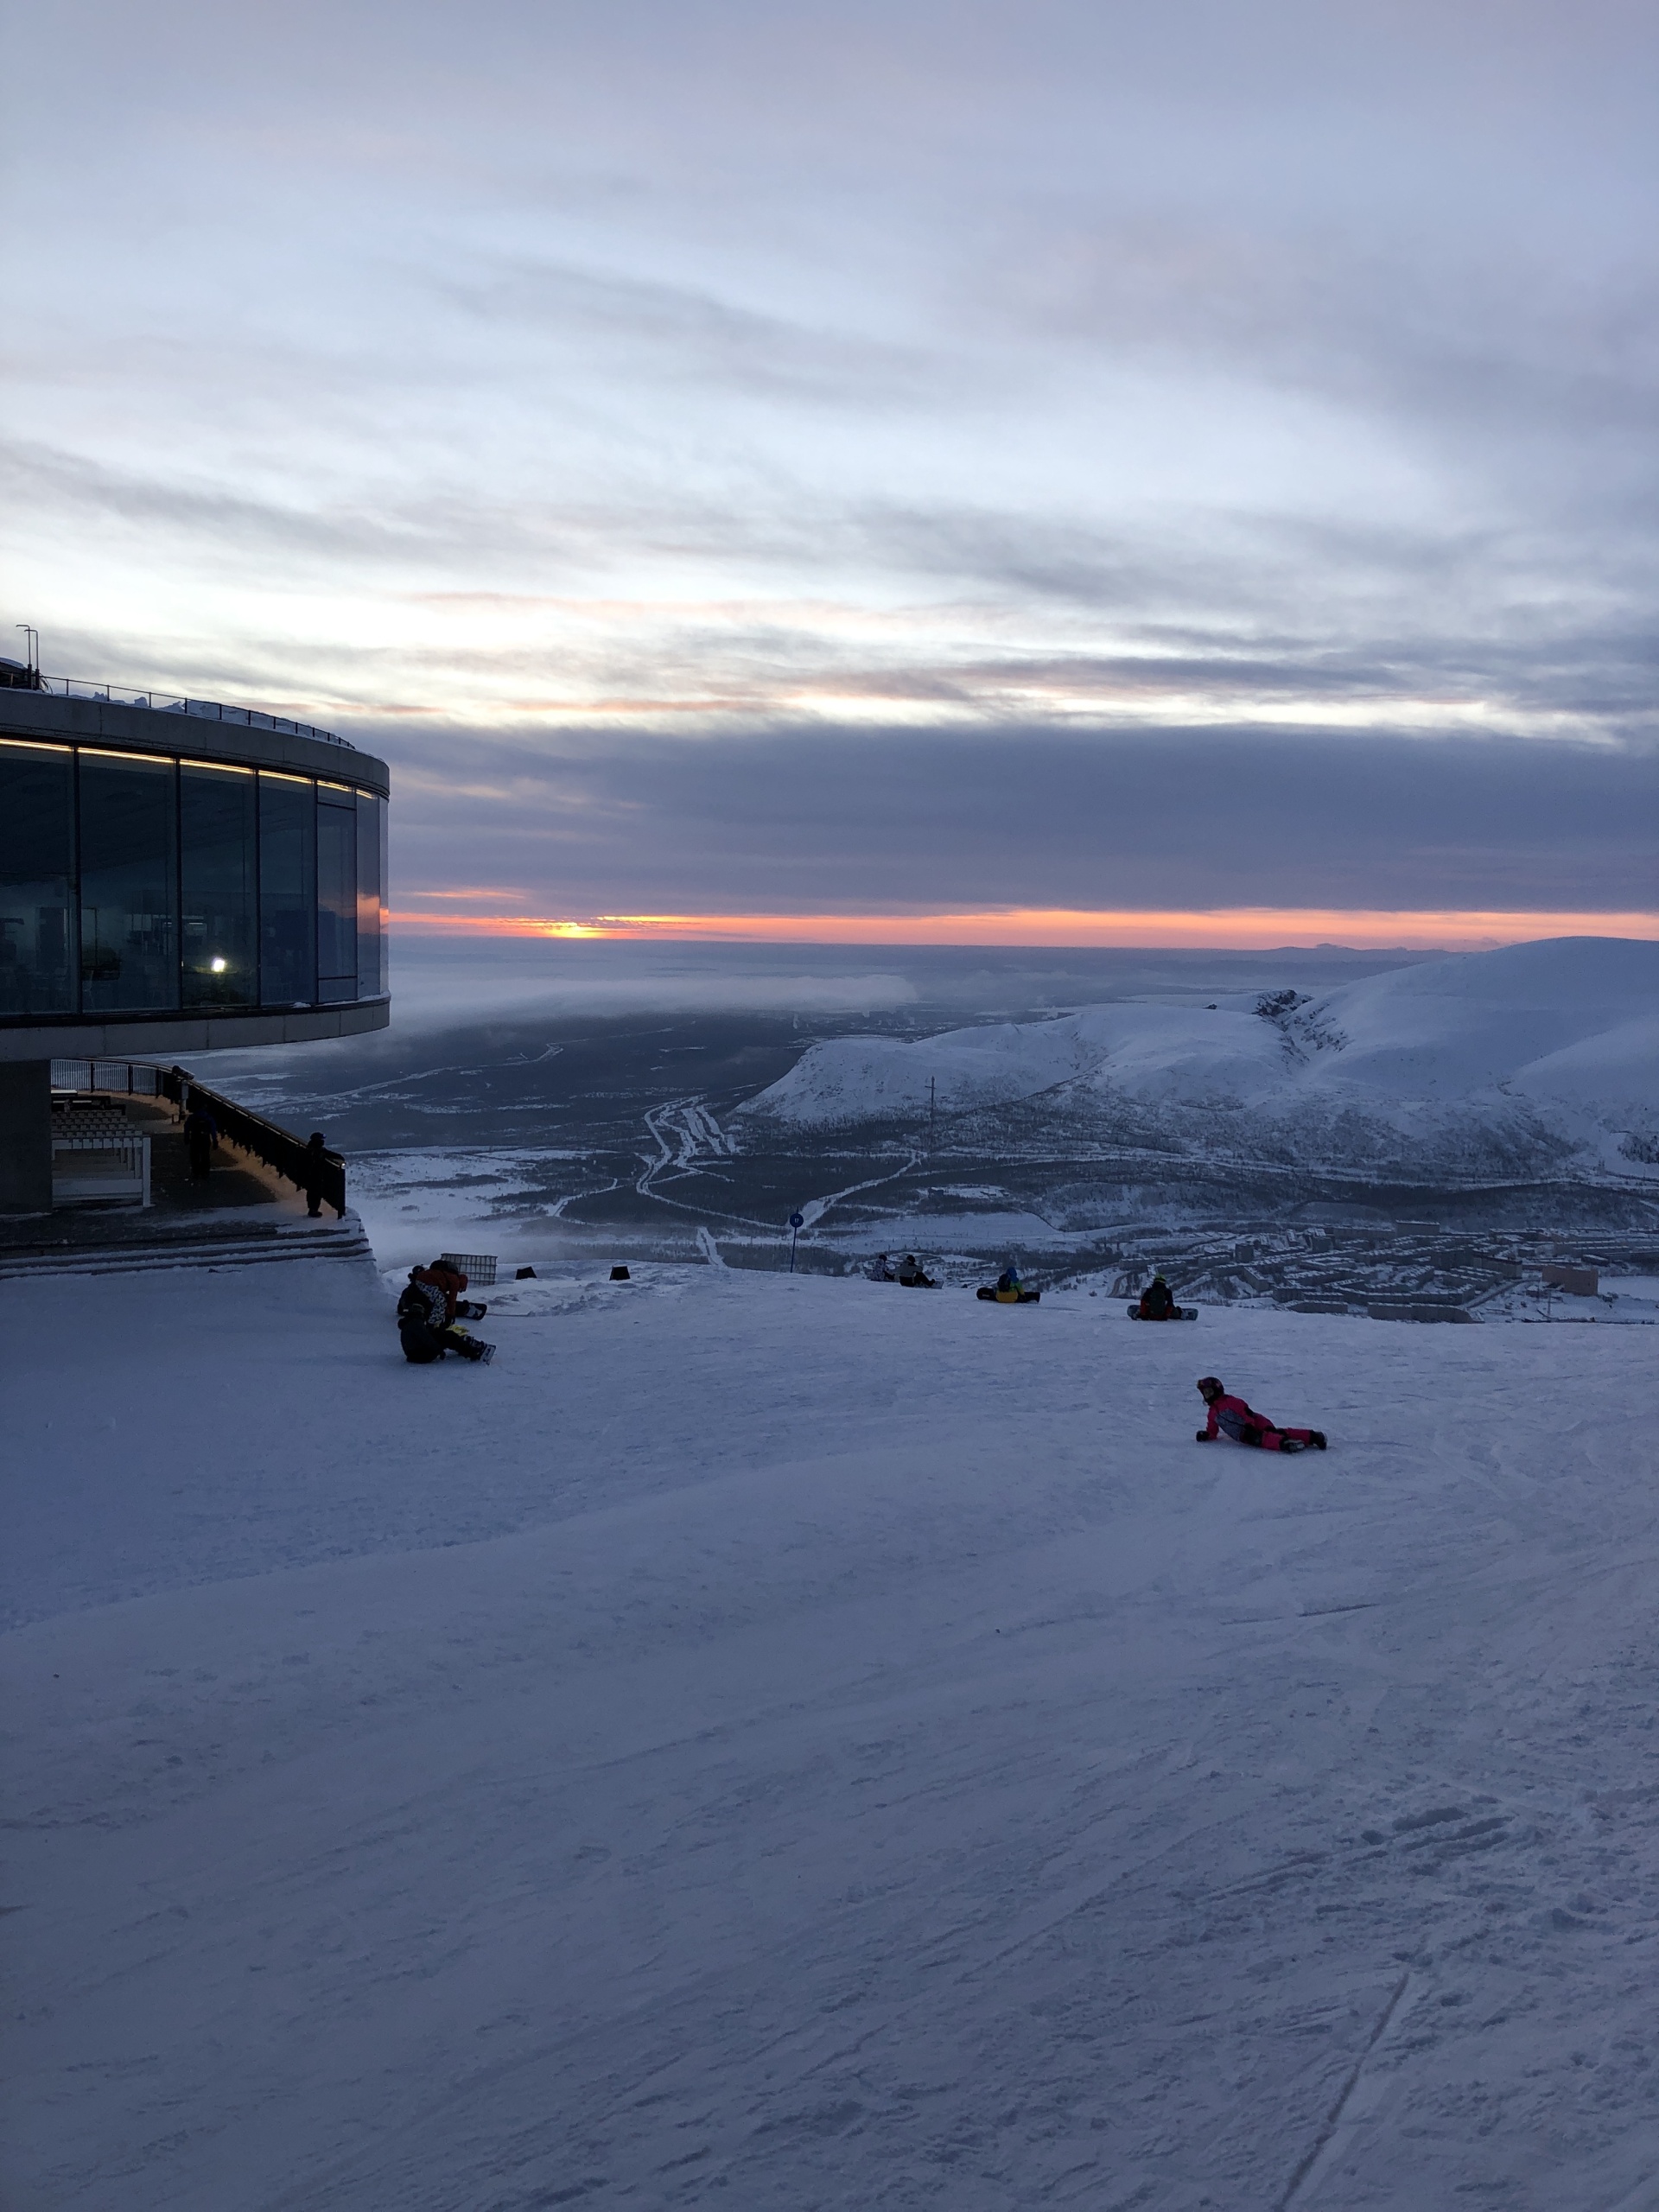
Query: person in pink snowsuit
(1231,1416)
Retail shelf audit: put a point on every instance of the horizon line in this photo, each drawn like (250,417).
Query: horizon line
(1217,929)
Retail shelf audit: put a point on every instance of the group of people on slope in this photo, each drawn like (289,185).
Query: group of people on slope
(909,1271)
(1229,1414)
(432,1304)
(1157,1299)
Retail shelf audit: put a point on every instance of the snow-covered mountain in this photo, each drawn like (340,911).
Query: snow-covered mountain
(1538,1055)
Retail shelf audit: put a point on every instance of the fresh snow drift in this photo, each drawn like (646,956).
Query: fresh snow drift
(1545,1048)
(786,1742)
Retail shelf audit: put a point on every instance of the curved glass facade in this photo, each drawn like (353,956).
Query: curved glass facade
(139,883)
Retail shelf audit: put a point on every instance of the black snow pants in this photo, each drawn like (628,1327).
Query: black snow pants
(423,1344)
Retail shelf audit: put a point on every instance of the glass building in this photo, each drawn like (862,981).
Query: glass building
(156,872)
(175,876)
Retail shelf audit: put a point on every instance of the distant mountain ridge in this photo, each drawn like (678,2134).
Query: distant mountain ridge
(1536,1058)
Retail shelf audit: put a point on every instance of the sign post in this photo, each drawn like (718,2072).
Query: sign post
(796,1222)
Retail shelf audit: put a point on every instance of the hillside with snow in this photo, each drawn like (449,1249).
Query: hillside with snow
(775,1741)
(1538,1058)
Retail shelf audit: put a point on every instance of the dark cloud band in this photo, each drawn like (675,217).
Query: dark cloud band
(839,819)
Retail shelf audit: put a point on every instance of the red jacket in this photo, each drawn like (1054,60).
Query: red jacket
(1232,1414)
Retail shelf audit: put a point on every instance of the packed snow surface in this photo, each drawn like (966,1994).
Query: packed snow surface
(799,1743)
(1563,1028)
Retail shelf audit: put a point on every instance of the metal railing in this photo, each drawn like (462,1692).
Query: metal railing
(138,1079)
(94,1168)
(212,710)
(279,1148)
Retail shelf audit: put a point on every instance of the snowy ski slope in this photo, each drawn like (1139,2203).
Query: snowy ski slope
(779,1742)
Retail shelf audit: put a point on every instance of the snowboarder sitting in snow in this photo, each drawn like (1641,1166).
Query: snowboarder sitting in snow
(1158,1302)
(426,1317)
(878,1270)
(914,1275)
(451,1281)
(1233,1416)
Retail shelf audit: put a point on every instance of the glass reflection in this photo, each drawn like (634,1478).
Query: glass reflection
(37,818)
(135,884)
(336,894)
(217,861)
(129,872)
(370,896)
(288,891)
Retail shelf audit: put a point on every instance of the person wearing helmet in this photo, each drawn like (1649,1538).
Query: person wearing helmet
(1231,1416)
(1157,1301)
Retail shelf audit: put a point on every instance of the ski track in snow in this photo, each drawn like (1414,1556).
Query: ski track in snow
(777,1741)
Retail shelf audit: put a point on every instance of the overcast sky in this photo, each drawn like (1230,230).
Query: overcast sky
(756,460)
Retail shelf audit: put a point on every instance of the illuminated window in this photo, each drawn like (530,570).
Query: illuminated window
(217,860)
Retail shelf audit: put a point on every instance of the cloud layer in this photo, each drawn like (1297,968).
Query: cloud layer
(890,820)
(726,453)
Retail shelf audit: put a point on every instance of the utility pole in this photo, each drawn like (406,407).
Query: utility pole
(932,1109)
(31,648)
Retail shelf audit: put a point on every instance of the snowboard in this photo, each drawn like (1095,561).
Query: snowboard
(1001,1298)
(1186,1313)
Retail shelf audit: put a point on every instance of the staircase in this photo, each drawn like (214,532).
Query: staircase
(195,1244)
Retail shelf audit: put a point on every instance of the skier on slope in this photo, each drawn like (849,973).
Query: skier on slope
(1233,1417)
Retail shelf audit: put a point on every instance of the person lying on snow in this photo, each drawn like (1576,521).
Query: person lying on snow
(1233,1416)
(1158,1302)
(426,1318)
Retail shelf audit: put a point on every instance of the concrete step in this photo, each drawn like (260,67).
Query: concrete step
(227,1251)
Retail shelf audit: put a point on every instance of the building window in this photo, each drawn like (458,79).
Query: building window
(288,891)
(371,895)
(336,894)
(128,877)
(138,884)
(38,857)
(218,858)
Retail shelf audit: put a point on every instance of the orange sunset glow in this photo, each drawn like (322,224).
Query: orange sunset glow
(1241,928)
